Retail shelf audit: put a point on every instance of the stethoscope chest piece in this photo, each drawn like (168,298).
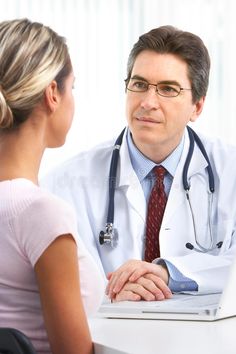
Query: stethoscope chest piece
(109,236)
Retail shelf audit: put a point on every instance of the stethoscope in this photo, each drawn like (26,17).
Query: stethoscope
(110,235)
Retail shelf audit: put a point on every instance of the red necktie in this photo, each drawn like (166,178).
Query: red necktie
(156,208)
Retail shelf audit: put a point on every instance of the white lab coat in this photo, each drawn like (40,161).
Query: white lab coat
(83,181)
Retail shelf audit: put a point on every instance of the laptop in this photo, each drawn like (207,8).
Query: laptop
(205,307)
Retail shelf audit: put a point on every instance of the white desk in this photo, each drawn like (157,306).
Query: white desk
(118,336)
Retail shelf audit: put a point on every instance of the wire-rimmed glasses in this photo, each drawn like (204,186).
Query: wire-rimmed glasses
(163,88)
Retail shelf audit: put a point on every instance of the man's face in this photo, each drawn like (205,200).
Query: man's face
(156,122)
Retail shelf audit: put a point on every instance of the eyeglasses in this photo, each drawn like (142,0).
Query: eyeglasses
(163,89)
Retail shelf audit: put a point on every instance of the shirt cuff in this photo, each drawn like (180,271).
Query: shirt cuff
(177,281)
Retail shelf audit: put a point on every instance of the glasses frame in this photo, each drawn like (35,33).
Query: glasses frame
(156,86)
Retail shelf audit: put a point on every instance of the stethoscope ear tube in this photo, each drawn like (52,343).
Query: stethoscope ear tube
(188,159)
(204,250)
(209,168)
(193,137)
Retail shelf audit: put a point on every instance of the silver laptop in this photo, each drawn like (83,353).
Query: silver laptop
(208,307)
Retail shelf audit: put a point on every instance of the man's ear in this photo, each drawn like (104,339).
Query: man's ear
(197,109)
(52,96)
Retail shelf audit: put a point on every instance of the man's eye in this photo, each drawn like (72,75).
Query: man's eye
(168,88)
(140,85)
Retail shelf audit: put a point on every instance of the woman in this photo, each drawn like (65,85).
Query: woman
(43,287)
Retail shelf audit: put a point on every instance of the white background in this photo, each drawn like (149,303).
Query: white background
(100,34)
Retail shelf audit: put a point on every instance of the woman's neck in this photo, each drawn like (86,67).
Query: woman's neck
(21,152)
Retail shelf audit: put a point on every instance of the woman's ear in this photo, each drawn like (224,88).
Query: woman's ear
(52,96)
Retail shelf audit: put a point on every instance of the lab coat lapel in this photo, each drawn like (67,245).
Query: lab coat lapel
(129,182)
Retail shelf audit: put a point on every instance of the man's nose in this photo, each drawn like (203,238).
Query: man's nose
(150,98)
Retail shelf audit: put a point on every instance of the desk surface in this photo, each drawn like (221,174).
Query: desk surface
(119,336)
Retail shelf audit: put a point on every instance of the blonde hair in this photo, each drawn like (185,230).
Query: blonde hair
(31,56)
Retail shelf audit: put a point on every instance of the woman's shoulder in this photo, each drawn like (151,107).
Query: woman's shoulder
(26,200)
(51,206)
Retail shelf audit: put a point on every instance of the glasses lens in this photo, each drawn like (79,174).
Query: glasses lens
(168,90)
(137,85)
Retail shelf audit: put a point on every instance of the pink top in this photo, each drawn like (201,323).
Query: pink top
(30,219)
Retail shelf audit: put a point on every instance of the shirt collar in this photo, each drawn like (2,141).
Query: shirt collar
(143,166)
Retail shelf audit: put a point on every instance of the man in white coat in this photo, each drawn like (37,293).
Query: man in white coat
(166,86)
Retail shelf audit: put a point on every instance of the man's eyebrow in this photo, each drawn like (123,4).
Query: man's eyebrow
(169,82)
(138,77)
(166,82)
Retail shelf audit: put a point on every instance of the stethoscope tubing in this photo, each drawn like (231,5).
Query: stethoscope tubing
(112,177)
(193,138)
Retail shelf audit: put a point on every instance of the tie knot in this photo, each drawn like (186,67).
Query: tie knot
(160,172)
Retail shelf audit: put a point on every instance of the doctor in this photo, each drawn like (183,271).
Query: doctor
(166,86)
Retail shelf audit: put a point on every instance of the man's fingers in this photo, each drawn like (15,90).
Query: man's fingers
(151,287)
(157,286)
(148,288)
(134,292)
(133,270)
(146,267)
(109,275)
(126,295)
(121,276)
(116,283)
